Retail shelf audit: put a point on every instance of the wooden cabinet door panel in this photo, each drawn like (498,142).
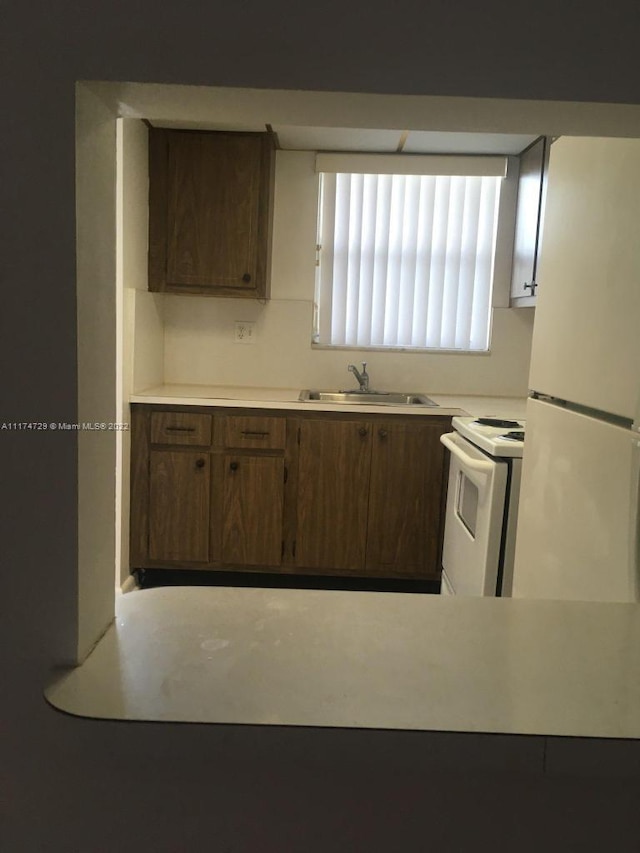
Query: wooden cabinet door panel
(529,219)
(210,212)
(405,500)
(252,510)
(179,497)
(333,494)
(213,206)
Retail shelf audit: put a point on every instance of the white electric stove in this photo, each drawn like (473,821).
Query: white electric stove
(482,505)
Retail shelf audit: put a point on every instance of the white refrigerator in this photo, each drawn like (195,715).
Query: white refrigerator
(578,529)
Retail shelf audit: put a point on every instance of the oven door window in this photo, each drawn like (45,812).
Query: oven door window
(467,503)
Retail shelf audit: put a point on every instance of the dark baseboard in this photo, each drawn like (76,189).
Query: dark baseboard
(149,578)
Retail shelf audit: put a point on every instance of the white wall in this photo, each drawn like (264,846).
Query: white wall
(144,311)
(96,318)
(141,333)
(199,346)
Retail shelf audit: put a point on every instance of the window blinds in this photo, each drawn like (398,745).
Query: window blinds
(406,260)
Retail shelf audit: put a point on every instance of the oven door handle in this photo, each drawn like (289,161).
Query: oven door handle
(471,464)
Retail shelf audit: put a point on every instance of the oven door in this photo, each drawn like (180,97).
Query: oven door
(474,519)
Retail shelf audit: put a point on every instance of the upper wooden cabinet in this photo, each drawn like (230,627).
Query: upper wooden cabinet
(210,212)
(532,187)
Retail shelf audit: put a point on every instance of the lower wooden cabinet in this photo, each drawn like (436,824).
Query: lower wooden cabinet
(405,499)
(294,492)
(253,500)
(370,497)
(333,494)
(179,490)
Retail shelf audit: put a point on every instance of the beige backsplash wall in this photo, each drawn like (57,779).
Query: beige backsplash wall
(199,342)
(199,348)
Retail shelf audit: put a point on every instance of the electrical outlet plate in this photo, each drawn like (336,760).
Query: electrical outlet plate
(244,332)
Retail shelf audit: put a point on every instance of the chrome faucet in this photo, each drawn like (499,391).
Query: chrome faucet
(363,378)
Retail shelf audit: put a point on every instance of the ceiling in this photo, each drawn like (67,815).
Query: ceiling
(305,138)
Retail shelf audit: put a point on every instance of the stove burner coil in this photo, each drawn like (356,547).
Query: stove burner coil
(497,422)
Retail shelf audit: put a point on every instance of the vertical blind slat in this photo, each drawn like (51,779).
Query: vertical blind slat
(469,247)
(354,256)
(394,261)
(484,267)
(452,262)
(409,256)
(407,260)
(340,261)
(438,255)
(363,331)
(324,296)
(423,262)
(381,259)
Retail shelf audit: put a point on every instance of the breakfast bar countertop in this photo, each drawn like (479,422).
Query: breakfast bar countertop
(336,658)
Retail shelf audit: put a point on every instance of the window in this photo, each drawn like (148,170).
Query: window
(406,255)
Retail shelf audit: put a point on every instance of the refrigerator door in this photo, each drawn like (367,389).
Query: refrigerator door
(586,344)
(577,535)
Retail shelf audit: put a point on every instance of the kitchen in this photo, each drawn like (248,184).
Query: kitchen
(447,362)
(189,340)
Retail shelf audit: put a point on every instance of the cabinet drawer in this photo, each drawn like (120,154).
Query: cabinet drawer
(180,428)
(255,433)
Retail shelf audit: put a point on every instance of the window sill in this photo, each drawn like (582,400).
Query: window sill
(421,350)
(362,660)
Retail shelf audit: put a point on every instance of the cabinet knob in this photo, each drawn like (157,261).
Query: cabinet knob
(234,466)
(362,431)
(200,463)
(246,277)
(383,433)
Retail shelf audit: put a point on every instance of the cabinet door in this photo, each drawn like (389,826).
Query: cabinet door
(529,217)
(209,212)
(253,501)
(404,521)
(333,495)
(179,495)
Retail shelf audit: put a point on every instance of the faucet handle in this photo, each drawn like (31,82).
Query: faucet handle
(364,366)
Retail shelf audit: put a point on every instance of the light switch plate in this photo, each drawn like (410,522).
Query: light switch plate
(245,332)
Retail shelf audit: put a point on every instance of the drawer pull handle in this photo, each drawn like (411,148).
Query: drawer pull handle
(383,433)
(254,433)
(179,429)
(234,466)
(200,463)
(362,431)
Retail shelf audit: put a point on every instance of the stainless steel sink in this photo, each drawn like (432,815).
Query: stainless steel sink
(378,398)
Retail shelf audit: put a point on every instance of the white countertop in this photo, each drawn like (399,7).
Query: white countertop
(287,399)
(363,659)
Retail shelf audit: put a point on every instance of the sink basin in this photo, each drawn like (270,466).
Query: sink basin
(378,398)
